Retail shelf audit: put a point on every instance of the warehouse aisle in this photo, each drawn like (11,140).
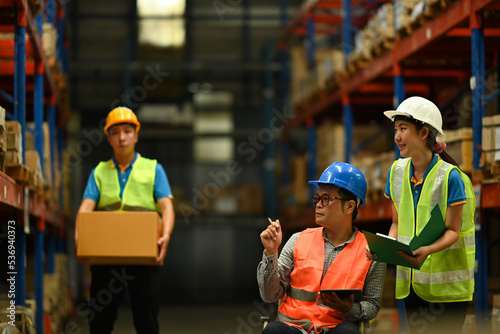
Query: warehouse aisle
(207,319)
(234,319)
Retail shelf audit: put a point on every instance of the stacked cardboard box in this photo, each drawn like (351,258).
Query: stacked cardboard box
(33,163)
(299,181)
(402,13)
(30,145)
(13,142)
(330,67)
(491,143)
(300,73)
(330,144)
(383,23)
(374,168)
(49,40)
(459,147)
(2,144)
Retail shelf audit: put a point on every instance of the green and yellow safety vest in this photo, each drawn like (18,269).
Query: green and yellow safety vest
(138,192)
(448,275)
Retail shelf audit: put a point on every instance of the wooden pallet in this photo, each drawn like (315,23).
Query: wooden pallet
(385,45)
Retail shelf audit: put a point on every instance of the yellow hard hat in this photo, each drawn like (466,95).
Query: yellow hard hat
(121,115)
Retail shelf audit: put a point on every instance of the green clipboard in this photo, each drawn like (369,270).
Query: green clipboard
(386,247)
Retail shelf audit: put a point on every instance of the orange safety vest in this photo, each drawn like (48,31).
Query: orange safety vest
(301,307)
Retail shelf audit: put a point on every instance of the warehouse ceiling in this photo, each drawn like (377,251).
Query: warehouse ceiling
(122,53)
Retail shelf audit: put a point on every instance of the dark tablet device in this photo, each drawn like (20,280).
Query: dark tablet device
(345,293)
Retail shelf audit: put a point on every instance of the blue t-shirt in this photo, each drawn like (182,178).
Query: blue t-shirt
(161,187)
(456,186)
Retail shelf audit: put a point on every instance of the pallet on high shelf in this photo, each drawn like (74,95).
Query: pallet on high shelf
(385,45)
(357,62)
(333,81)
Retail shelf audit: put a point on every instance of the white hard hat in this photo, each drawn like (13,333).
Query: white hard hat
(421,109)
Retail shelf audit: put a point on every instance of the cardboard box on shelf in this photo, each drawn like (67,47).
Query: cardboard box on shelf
(33,160)
(13,127)
(18,172)
(118,237)
(2,160)
(13,141)
(2,120)
(300,185)
(12,157)
(459,147)
(491,140)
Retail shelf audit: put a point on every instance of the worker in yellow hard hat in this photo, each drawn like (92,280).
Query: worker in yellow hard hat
(127,182)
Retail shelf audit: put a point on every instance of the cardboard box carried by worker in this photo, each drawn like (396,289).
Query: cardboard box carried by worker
(121,238)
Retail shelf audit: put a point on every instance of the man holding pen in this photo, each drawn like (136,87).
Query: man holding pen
(331,256)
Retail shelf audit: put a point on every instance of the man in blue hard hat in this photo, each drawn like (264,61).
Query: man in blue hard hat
(329,257)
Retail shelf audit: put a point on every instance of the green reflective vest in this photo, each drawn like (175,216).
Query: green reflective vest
(138,191)
(448,275)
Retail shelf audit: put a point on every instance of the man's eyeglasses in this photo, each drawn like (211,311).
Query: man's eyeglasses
(325,199)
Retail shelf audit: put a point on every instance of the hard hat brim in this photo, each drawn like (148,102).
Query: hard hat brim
(314,183)
(390,114)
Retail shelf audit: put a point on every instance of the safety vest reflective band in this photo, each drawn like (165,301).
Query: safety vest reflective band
(138,192)
(448,275)
(301,306)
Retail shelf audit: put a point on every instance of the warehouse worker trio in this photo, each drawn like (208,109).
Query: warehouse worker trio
(128,182)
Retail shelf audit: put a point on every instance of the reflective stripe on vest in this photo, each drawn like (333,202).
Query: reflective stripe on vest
(138,192)
(447,275)
(301,306)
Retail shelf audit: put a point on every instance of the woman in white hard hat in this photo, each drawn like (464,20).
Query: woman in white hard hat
(436,296)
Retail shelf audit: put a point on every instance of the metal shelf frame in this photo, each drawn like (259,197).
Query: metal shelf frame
(45,102)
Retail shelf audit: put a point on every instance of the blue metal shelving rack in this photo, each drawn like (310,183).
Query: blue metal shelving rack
(34,205)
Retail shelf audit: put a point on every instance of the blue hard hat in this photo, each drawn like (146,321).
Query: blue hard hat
(345,176)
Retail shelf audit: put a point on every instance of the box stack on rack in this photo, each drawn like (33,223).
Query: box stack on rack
(13,142)
(459,147)
(47,170)
(374,168)
(377,36)
(402,15)
(301,80)
(491,145)
(33,163)
(2,143)
(299,182)
(330,68)
(13,157)
(330,144)
(411,14)
(361,54)
(383,23)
